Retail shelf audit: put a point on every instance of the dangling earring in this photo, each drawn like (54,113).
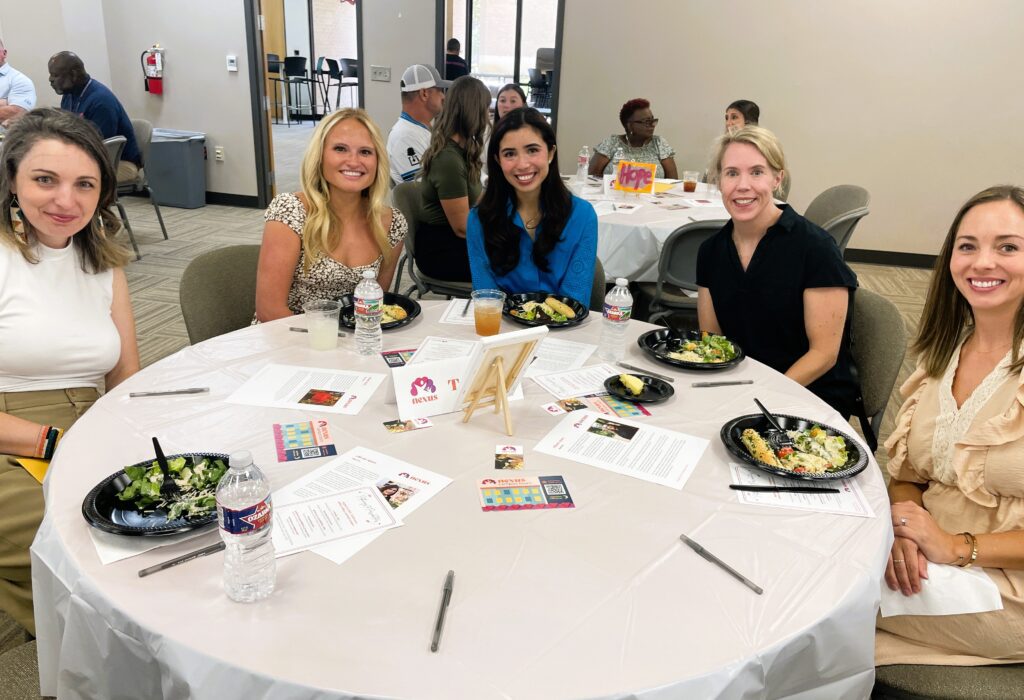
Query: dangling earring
(17,220)
(101,228)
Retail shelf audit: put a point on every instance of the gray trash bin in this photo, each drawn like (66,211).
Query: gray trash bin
(176,169)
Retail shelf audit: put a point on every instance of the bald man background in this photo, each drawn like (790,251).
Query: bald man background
(17,93)
(89,98)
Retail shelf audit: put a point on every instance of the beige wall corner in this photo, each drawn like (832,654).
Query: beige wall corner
(917,101)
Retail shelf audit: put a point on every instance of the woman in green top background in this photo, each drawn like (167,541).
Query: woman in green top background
(451,180)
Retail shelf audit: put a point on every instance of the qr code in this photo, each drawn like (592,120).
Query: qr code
(554,489)
(310,452)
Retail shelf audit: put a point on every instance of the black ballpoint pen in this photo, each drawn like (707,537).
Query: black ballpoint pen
(783,489)
(721,564)
(446,597)
(213,548)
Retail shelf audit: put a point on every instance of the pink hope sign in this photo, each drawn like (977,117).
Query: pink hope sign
(635,177)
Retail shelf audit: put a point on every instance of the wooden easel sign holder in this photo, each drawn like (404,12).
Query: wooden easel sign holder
(498,372)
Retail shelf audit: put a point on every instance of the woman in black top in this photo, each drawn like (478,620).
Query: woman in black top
(772,281)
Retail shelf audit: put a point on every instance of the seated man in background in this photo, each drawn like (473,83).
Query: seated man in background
(17,93)
(454,64)
(93,100)
(422,100)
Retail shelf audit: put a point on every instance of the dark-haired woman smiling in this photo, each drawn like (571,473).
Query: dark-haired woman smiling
(529,233)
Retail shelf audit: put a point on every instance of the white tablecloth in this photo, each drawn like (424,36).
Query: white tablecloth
(599,601)
(629,245)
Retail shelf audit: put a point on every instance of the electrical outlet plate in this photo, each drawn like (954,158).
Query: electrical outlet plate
(218,153)
(380,73)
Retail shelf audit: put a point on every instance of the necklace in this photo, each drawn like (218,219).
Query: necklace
(530,224)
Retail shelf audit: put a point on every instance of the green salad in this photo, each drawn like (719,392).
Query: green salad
(538,311)
(196,477)
(710,348)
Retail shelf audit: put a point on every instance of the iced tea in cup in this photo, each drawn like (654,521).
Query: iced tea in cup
(322,323)
(487,306)
(690,179)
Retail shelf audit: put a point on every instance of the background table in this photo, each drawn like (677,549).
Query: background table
(599,601)
(629,245)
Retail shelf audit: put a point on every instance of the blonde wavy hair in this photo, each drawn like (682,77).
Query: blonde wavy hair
(765,142)
(322,231)
(95,241)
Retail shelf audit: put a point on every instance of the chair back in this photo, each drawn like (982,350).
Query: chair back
(273,64)
(320,69)
(678,262)
(597,291)
(878,343)
(144,137)
(333,69)
(536,79)
(838,210)
(295,66)
(545,60)
(218,291)
(408,200)
(115,147)
(349,68)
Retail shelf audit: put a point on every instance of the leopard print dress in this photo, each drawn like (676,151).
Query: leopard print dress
(326,278)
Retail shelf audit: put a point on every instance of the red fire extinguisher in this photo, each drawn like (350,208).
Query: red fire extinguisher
(153,68)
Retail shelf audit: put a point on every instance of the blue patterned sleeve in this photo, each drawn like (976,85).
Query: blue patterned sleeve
(479,264)
(581,234)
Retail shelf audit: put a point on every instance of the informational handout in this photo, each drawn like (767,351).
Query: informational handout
(305,524)
(577,382)
(438,348)
(619,445)
(459,312)
(308,389)
(849,501)
(403,485)
(554,354)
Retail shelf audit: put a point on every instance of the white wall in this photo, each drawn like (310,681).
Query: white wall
(918,100)
(199,92)
(396,33)
(109,35)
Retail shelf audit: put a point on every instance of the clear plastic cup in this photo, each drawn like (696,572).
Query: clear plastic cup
(322,323)
(487,306)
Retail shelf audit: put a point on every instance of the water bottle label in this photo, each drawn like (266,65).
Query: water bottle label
(368,307)
(239,522)
(617,313)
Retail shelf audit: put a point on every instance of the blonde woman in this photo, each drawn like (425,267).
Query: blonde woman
(772,281)
(66,325)
(318,242)
(451,180)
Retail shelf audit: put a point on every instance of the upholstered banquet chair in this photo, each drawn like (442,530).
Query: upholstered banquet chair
(218,291)
(838,210)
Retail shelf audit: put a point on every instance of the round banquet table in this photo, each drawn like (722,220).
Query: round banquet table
(602,600)
(629,245)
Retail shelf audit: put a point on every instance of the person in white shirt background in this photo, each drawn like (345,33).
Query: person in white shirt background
(422,100)
(17,92)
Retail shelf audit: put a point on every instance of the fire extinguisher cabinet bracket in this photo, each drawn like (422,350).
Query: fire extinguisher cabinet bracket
(176,169)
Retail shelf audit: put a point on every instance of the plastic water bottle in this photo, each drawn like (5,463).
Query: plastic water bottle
(616,159)
(369,303)
(618,308)
(582,165)
(245,515)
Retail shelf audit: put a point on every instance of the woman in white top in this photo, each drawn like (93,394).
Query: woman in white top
(66,324)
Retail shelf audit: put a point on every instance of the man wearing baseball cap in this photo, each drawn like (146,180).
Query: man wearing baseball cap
(422,99)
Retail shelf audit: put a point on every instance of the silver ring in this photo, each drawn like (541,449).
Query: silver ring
(903,521)
(898,561)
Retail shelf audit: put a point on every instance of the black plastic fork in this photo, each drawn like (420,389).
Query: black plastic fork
(777,437)
(168,487)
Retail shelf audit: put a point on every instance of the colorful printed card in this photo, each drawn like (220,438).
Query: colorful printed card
(524,493)
(635,177)
(404,426)
(602,403)
(307,440)
(398,358)
(509,457)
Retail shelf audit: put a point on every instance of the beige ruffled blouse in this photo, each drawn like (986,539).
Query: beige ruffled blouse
(972,460)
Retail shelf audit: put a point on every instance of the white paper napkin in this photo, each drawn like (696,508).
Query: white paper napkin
(948,590)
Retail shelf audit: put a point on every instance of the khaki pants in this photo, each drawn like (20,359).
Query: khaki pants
(21,496)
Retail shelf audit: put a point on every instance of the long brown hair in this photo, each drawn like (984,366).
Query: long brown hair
(946,313)
(466,113)
(322,231)
(98,250)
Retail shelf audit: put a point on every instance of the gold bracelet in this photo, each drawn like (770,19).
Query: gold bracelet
(972,542)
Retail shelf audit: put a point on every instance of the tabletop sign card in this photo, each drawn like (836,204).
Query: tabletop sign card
(637,178)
